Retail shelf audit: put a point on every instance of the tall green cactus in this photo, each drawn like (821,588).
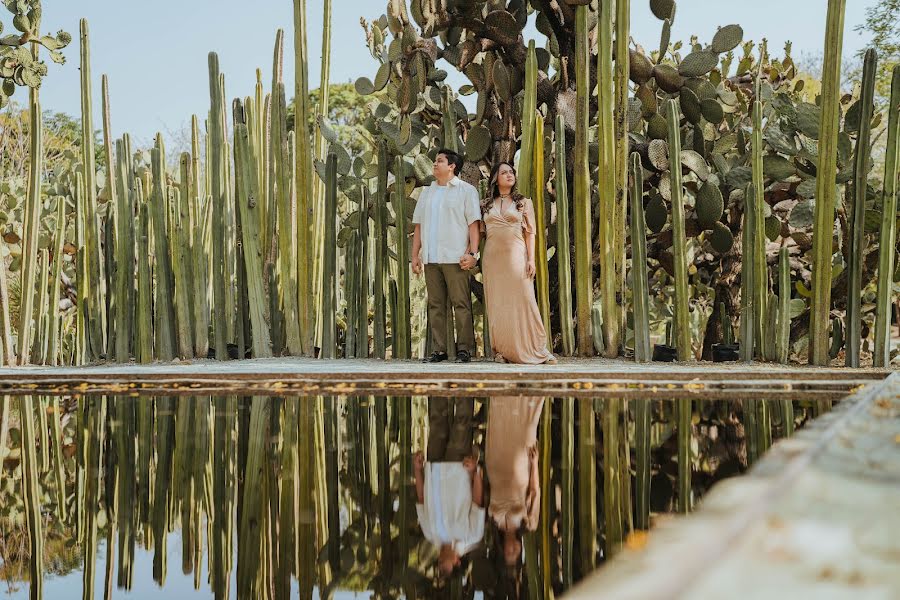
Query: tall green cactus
(381,252)
(112,201)
(248,200)
(199,249)
(329,259)
(401,323)
(857,219)
(304,176)
(216,172)
(563,247)
(758,264)
(32,229)
(584,280)
(280,172)
(639,277)
(165,313)
(783,338)
(607,184)
(542,275)
(144,315)
(823,232)
(622,66)
(887,240)
(529,109)
(125,239)
(52,357)
(96,317)
(181,258)
(682,318)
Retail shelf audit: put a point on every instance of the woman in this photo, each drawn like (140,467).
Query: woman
(516,329)
(511,464)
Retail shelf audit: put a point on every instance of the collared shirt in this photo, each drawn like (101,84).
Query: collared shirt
(444,218)
(448,515)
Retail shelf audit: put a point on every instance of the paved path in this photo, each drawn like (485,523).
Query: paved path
(818,517)
(572,377)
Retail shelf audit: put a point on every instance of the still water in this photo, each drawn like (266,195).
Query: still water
(338,497)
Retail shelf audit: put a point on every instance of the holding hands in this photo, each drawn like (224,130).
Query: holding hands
(467,262)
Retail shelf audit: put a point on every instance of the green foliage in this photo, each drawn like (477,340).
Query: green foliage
(18,67)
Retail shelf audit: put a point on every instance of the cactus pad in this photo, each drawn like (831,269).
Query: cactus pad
(712,111)
(697,64)
(656,214)
(501,81)
(709,205)
(502,27)
(690,105)
(658,153)
(662,9)
(382,77)
(696,163)
(721,238)
(657,128)
(773,227)
(727,38)
(478,143)
(364,86)
(778,167)
(667,78)
(640,67)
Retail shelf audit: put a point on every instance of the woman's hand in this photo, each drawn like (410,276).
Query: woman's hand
(530,268)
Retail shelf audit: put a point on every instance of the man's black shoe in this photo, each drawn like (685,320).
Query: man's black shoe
(436,357)
(463,356)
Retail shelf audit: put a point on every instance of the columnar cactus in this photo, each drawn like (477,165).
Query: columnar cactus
(825,183)
(858,216)
(563,246)
(216,171)
(682,318)
(584,280)
(887,239)
(542,276)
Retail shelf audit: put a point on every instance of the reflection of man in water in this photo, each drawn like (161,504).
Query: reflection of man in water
(450,500)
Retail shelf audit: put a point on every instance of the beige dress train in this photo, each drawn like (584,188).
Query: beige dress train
(516,329)
(511,461)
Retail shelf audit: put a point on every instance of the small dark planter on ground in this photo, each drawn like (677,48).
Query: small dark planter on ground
(663,353)
(726,352)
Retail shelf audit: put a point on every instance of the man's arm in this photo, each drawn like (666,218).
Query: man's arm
(478,489)
(416,248)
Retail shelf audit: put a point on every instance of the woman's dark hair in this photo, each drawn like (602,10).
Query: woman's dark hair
(509,577)
(453,158)
(494,190)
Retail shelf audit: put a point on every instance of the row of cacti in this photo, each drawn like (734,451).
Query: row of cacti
(209,256)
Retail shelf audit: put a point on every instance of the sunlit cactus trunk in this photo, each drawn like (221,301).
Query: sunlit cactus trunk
(115,303)
(125,239)
(623,36)
(329,259)
(303,185)
(887,240)
(52,357)
(542,275)
(639,277)
(679,242)
(31,231)
(401,324)
(96,310)
(563,244)
(248,200)
(143,316)
(164,325)
(381,253)
(783,337)
(322,110)
(607,184)
(182,267)
(825,184)
(858,216)
(199,247)
(216,168)
(584,281)
(758,262)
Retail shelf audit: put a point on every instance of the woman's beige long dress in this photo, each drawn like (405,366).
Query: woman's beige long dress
(517,332)
(511,461)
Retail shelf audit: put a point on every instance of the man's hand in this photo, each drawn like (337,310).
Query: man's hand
(530,268)
(469,464)
(416,265)
(467,262)
(419,462)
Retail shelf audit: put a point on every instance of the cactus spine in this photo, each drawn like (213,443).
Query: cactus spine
(607,180)
(401,322)
(682,318)
(542,276)
(639,281)
(825,188)
(563,251)
(887,239)
(584,281)
(857,219)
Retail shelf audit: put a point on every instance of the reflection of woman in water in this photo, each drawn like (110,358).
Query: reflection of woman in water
(511,463)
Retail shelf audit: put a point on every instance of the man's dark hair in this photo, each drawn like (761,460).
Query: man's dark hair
(454,159)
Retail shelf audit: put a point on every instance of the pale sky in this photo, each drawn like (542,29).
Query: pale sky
(155,53)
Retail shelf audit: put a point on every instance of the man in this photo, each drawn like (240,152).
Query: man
(447,235)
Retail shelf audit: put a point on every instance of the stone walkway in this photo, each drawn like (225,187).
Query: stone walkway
(816,518)
(571,377)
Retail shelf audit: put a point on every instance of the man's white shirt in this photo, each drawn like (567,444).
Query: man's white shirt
(444,214)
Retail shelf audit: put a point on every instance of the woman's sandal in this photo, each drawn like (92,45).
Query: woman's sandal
(498,358)
(551,361)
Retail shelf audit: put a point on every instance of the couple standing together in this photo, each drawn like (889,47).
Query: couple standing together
(449,220)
